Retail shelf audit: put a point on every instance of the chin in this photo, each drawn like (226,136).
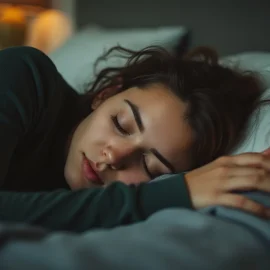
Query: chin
(73,180)
(73,185)
(78,184)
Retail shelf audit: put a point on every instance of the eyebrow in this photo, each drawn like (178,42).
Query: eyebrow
(136,113)
(137,116)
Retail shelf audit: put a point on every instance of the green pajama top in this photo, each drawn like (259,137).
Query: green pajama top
(38,111)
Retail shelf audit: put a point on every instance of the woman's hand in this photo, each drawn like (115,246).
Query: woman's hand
(214,183)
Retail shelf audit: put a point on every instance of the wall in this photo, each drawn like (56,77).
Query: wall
(230,26)
(67,6)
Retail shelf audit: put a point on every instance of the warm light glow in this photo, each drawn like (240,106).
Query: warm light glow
(13,24)
(49,30)
(14,15)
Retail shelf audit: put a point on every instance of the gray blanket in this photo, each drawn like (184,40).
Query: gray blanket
(214,238)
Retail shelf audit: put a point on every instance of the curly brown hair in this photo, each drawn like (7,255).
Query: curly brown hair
(220,99)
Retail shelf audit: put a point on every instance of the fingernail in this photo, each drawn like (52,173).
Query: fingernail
(266,152)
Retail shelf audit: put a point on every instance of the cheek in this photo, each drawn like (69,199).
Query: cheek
(97,131)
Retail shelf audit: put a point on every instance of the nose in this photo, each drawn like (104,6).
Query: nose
(120,156)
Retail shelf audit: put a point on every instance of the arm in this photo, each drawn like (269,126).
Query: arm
(15,109)
(32,93)
(81,210)
(169,240)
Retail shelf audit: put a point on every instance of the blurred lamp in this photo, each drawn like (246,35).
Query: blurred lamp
(14,15)
(49,30)
(32,23)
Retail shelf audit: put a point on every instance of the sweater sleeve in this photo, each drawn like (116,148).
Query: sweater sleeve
(28,80)
(29,103)
(117,204)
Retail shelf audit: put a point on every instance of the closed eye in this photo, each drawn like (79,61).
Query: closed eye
(118,126)
(151,175)
(146,168)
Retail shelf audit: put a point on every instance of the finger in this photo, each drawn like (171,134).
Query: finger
(244,159)
(250,182)
(241,171)
(251,159)
(245,204)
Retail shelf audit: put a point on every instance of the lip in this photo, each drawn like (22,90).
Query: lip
(89,173)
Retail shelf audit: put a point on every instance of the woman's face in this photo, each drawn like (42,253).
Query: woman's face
(131,137)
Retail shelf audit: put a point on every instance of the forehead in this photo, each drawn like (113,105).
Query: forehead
(153,97)
(163,115)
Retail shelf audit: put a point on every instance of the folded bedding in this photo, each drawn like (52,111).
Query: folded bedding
(214,238)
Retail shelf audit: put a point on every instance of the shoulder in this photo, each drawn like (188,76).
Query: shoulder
(31,88)
(23,53)
(30,74)
(24,59)
(25,68)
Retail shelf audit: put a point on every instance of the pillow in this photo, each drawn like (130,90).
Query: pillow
(253,61)
(75,59)
(257,136)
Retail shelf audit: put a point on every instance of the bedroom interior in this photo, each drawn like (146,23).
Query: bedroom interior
(74,33)
(236,29)
(230,27)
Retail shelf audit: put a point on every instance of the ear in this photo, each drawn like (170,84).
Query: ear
(105,94)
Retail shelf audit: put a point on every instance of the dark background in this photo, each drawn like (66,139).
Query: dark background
(228,26)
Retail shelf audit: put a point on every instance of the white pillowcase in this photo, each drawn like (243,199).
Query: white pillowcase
(258,132)
(253,61)
(75,60)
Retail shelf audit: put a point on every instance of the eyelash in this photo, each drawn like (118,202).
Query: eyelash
(124,132)
(118,126)
(146,168)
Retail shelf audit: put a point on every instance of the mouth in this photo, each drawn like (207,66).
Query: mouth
(89,173)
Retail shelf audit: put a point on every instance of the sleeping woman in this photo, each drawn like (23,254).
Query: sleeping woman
(77,162)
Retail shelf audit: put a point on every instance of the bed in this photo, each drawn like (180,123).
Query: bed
(214,238)
(176,25)
(76,58)
(75,61)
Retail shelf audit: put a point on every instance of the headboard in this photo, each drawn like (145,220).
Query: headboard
(230,26)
